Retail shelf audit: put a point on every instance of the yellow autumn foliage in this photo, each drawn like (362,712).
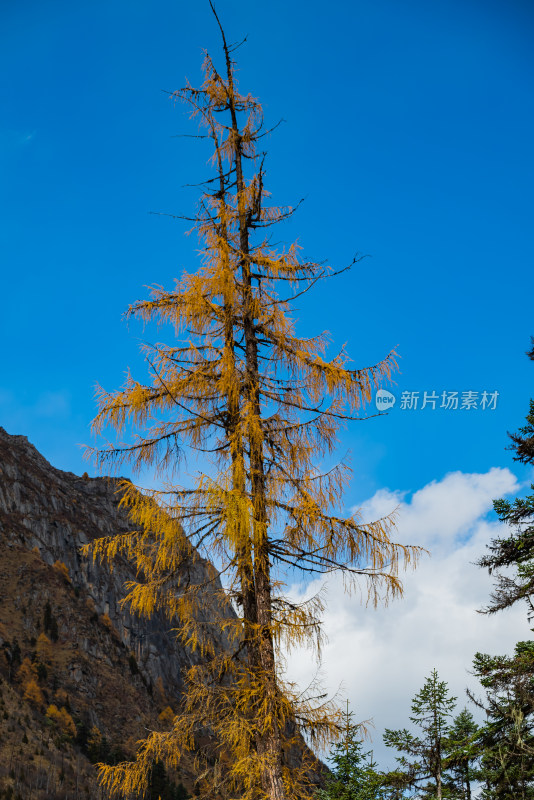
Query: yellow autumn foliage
(43,648)
(61,697)
(63,720)
(26,672)
(33,693)
(266,405)
(62,569)
(166,717)
(94,739)
(106,621)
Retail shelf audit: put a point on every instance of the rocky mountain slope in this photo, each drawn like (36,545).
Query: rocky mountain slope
(81,679)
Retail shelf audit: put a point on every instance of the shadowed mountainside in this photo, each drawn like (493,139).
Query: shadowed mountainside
(81,679)
(64,639)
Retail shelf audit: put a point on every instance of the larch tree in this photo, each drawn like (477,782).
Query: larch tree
(264,405)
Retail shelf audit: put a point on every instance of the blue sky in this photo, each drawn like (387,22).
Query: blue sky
(408,129)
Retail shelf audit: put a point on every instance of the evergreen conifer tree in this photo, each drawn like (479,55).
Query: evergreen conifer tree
(517,549)
(462,756)
(353,772)
(423,764)
(507,738)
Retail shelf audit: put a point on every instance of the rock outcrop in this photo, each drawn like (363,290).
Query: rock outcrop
(67,643)
(114,674)
(57,513)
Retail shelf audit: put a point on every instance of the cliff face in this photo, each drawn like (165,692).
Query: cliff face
(118,672)
(58,512)
(66,643)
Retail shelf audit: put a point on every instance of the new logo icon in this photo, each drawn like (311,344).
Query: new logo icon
(384,400)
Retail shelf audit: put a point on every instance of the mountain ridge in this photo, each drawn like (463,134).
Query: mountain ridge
(82,679)
(120,674)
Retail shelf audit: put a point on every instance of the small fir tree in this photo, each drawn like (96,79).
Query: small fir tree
(463,752)
(354,775)
(507,738)
(424,759)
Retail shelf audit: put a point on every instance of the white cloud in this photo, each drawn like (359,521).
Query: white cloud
(381,657)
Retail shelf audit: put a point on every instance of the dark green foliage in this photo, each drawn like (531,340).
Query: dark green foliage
(161,788)
(523,440)
(517,549)
(13,657)
(354,775)
(133,664)
(82,734)
(463,756)
(106,753)
(15,653)
(507,739)
(47,617)
(50,623)
(54,634)
(116,755)
(422,762)
(42,671)
(181,792)
(96,751)
(100,752)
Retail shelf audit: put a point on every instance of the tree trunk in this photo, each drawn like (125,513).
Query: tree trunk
(269,742)
(467,783)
